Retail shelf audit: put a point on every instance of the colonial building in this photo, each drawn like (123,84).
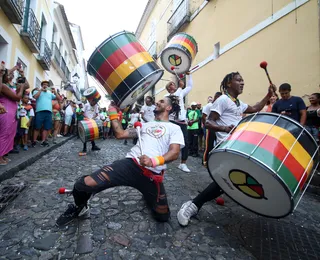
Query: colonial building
(37,34)
(237,35)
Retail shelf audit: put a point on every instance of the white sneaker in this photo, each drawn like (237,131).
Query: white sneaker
(183,167)
(59,135)
(188,209)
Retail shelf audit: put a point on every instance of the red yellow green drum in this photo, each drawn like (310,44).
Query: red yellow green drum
(124,68)
(265,163)
(92,94)
(179,53)
(90,129)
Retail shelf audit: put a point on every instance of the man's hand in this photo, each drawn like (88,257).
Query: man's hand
(145,161)
(228,128)
(2,109)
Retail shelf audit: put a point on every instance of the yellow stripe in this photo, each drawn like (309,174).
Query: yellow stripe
(185,45)
(126,68)
(95,129)
(284,136)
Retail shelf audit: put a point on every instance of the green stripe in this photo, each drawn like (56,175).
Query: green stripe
(109,47)
(265,157)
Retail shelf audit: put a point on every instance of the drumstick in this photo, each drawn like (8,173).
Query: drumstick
(138,126)
(64,191)
(264,65)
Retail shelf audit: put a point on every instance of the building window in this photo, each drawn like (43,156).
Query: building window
(38,83)
(23,66)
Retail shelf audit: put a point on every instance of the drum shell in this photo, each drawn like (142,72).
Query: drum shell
(281,147)
(90,129)
(185,43)
(95,95)
(124,68)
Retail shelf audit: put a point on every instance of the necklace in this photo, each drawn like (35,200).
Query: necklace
(235,100)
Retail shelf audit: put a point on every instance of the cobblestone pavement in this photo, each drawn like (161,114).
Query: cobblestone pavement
(120,225)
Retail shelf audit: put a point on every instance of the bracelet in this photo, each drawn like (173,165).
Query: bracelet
(113,114)
(158,160)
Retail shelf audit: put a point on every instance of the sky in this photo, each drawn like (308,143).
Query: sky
(99,19)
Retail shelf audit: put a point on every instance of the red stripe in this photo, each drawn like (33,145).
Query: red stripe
(90,127)
(275,147)
(181,38)
(118,57)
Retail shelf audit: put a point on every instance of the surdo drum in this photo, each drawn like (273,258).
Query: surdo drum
(265,163)
(92,94)
(179,53)
(90,129)
(124,68)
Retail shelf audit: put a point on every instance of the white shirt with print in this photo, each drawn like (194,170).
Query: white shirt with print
(148,112)
(207,109)
(230,113)
(156,137)
(181,93)
(89,111)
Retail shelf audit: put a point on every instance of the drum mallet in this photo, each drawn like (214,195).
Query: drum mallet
(173,69)
(264,65)
(137,125)
(64,191)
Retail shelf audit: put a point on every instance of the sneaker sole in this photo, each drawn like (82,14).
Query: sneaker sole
(83,211)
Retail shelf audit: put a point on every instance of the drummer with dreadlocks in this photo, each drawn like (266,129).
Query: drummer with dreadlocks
(226,112)
(140,169)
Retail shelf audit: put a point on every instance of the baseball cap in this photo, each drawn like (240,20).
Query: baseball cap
(194,103)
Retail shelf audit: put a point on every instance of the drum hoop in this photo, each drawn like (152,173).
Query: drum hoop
(141,80)
(174,48)
(90,93)
(287,118)
(283,184)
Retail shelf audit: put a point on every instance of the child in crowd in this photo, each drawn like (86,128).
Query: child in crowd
(26,114)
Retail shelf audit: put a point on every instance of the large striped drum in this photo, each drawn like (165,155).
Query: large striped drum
(90,129)
(92,94)
(265,163)
(124,68)
(179,53)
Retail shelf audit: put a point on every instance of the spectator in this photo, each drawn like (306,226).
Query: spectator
(56,118)
(79,114)
(313,116)
(193,130)
(8,122)
(290,106)
(26,116)
(147,111)
(270,103)
(43,112)
(68,117)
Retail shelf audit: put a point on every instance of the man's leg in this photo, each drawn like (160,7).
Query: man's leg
(191,208)
(94,146)
(47,126)
(211,137)
(37,126)
(195,148)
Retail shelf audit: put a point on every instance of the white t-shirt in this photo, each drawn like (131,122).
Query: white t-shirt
(230,113)
(156,137)
(89,111)
(207,109)
(148,113)
(133,118)
(181,93)
(69,110)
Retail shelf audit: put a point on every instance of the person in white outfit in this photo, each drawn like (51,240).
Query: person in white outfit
(181,119)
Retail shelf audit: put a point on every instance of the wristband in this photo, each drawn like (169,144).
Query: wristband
(158,160)
(113,114)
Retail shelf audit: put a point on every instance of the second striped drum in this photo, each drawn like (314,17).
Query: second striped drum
(90,129)
(124,68)
(179,53)
(265,163)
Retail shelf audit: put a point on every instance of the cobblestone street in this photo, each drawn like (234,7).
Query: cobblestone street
(120,226)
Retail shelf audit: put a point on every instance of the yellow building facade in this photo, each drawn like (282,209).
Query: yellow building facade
(235,35)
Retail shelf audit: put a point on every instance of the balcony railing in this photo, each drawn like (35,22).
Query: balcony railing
(30,31)
(44,56)
(13,10)
(63,65)
(179,17)
(153,50)
(67,73)
(56,55)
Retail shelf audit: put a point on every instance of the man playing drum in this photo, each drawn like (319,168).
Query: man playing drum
(141,170)
(226,112)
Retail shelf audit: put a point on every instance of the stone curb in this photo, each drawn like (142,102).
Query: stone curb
(24,164)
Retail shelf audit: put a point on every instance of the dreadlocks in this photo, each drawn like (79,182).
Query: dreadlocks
(227,79)
(174,102)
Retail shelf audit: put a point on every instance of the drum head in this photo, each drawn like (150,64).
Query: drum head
(82,132)
(141,88)
(177,58)
(89,92)
(250,184)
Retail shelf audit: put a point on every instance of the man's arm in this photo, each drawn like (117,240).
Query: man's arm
(257,107)
(37,95)
(303,116)
(189,86)
(211,123)
(119,133)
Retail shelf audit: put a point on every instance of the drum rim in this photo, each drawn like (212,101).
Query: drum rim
(104,42)
(175,48)
(139,82)
(285,117)
(89,89)
(263,166)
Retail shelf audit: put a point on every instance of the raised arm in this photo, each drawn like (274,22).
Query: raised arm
(6,91)
(257,107)
(189,86)
(119,133)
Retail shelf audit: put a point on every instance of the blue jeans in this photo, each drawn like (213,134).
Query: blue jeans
(314,131)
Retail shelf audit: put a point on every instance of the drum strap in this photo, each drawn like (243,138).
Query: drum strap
(153,177)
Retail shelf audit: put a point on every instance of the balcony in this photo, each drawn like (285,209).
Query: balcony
(56,55)
(30,31)
(153,50)
(67,73)
(179,17)
(44,57)
(63,65)
(13,10)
